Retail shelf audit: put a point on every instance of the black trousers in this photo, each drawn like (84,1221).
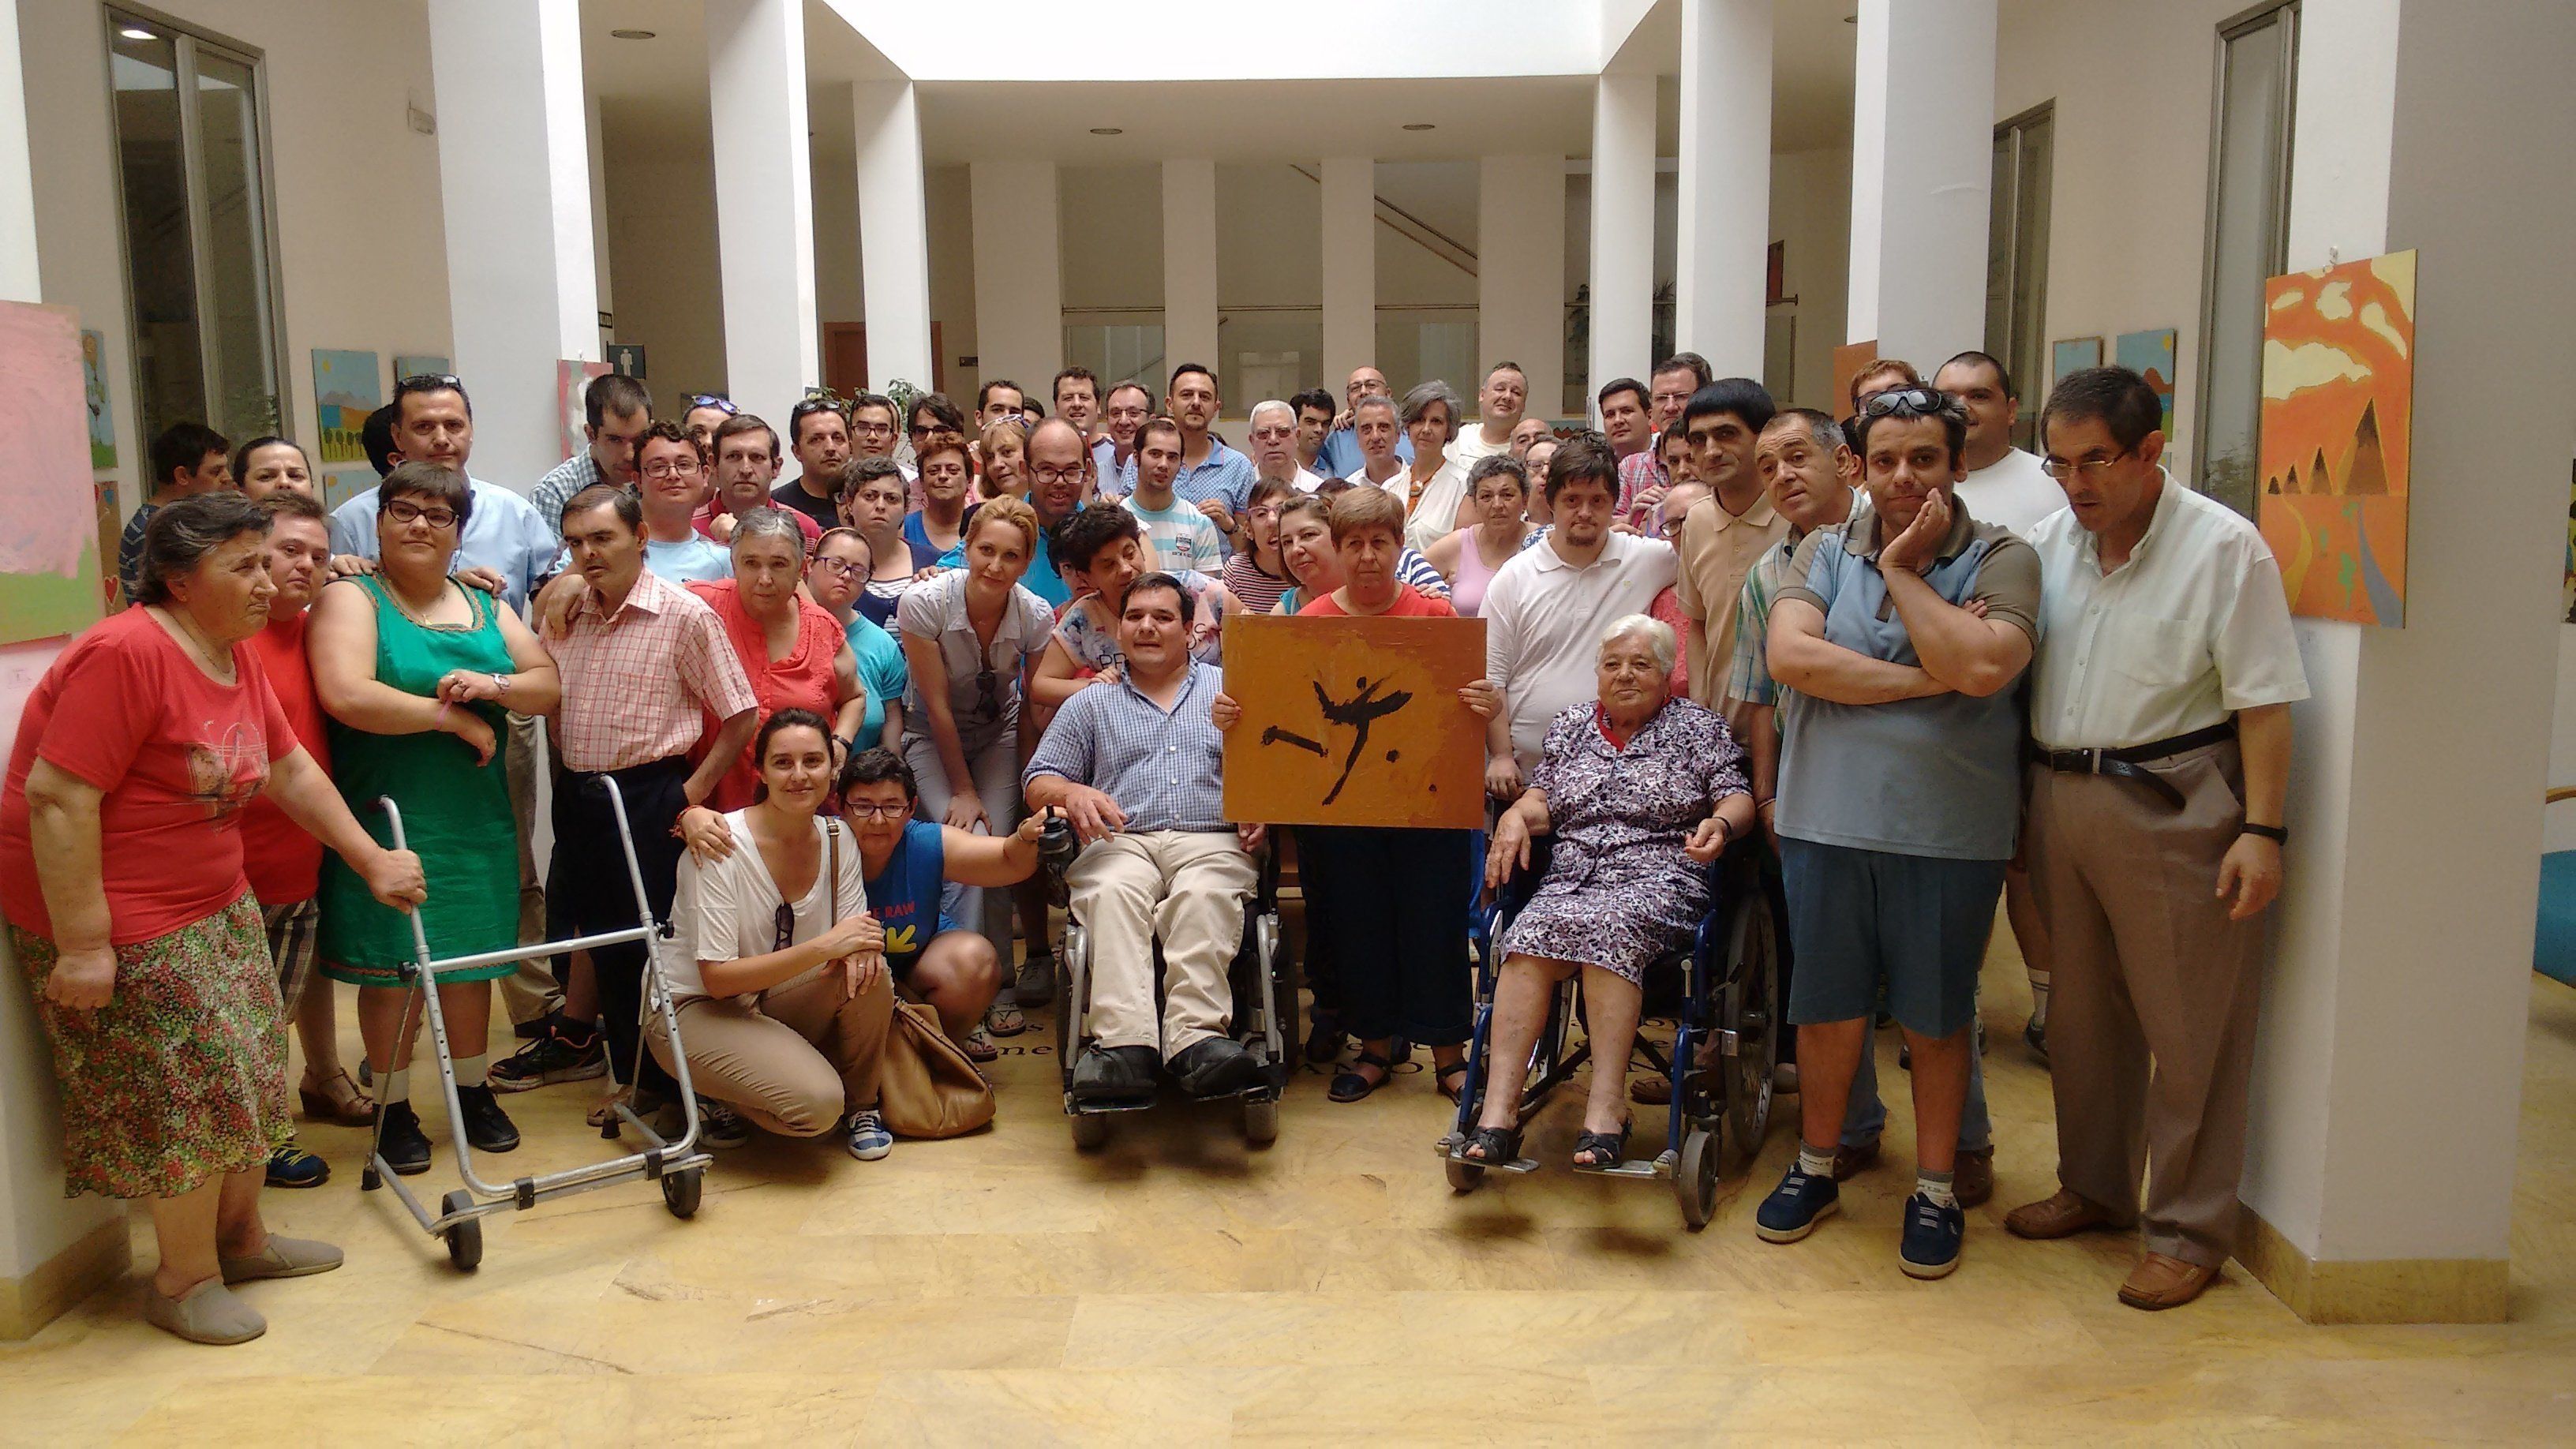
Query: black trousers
(588,891)
(1391,907)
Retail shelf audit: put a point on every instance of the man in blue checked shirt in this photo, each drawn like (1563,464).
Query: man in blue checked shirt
(1214,478)
(1136,763)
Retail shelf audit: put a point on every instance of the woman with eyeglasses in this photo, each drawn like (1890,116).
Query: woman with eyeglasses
(1469,557)
(795,652)
(971,637)
(416,673)
(934,418)
(780,978)
(837,577)
(1257,575)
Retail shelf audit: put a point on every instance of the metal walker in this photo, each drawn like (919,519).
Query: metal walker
(679,1166)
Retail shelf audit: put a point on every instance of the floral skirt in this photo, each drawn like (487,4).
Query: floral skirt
(181,1077)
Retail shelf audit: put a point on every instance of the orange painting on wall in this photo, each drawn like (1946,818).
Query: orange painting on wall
(1355,722)
(2338,425)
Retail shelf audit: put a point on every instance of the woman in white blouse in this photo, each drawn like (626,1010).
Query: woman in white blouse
(1435,485)
(780,976)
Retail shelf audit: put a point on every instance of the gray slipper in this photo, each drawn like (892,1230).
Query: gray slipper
(207,1313)
(282,1258)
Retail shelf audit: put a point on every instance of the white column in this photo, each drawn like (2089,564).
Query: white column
(894,236)
(1520,273)
(1019,273)
(514,188)
(18,279)
(1350,267)
(2388,1072)
(1923,124)
(764,201)
(1189,268)
(1622,308)
(599,213)
(1723,229)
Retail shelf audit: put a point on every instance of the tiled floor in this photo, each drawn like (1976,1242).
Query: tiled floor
(1179,1288)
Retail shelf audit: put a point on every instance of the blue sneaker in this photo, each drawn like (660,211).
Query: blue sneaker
(869,1139)
(292,1166)
(1932,1235)
(1802,1200)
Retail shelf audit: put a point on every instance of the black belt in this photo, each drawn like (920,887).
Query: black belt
(2123,763)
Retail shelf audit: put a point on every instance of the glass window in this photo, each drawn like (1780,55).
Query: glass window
(189,165)
(2017,258)
(2248,240)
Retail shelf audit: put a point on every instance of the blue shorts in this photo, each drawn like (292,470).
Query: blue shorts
(1918,922)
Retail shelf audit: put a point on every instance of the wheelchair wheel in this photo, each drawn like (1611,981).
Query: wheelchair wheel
(1090,1131)
(1260,1121)
(464,1239)
(1695,1178)
(1753,1011)
(1463,1176)
(681,1190)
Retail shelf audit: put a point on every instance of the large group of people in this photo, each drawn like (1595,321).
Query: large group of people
(1899,667)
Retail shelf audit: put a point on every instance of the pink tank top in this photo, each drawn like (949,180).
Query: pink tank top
(1467,591)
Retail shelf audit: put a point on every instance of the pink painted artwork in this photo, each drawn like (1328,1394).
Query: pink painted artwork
(49,567)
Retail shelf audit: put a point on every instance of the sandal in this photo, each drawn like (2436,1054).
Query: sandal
(1004,1019)
(1499,1145)
(1608,1149)
(337,1100)
(979,1046)
(1350,1086)
(1443,1079)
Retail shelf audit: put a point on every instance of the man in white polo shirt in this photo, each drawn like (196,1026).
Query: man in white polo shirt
(2160,711)
(1545,610)
(1499,405)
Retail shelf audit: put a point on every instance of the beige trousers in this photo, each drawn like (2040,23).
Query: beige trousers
(528,992)
(1188,889)
(2151,1015)
(795,1063)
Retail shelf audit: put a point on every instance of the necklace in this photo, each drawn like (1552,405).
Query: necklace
(407,610)
(220,667)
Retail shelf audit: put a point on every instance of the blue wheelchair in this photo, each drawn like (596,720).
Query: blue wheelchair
(1723,989)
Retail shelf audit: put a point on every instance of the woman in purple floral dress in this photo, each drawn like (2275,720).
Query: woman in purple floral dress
(1640,791)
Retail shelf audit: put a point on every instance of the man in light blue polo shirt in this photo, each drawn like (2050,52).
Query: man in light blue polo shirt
(433,422)
(1899,796)
(1214,478)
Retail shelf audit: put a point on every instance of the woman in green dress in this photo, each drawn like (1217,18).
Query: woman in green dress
(416,672)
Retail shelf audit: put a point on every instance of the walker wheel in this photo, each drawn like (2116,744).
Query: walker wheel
(680,1192)
(1463,1176)
(1261,1122)
(1090,1131)
(1695,1178)
(464,1238)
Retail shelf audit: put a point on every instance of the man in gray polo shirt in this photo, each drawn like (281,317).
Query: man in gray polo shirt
(1899,796)
(1137,764)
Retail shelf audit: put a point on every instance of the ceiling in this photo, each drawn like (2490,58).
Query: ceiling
(659,86)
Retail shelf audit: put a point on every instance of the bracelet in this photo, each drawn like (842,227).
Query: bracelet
(500,687)
(2277,834)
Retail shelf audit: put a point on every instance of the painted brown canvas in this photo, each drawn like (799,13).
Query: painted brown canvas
(1355,722)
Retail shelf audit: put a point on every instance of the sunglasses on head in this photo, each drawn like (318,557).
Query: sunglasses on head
(1912,402)
(811,406)
(426,381)
(697,400)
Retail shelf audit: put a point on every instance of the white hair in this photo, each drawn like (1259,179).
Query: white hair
(1657,634)
(1266,405)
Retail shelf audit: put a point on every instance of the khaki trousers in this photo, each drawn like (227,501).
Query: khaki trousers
(1188,888)
(2151,1015)
(529,991)
(795,1063)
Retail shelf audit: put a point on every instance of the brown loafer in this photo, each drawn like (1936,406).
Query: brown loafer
(1850,1161)
(2061,1215)
(1973,1182)
(2161,1282)
(1651,1091)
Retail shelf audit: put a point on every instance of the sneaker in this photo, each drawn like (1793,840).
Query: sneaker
(869,1139)
(404,1146)
(561,1055)
(292,1166)
(2034,1033)
(1932,1236)
(720,1127)
(1035,985)
(1793,1209)
(486,1126)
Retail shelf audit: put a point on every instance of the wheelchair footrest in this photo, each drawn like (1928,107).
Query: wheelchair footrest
(1633,1167)
(1092,1107)
(1449,1148)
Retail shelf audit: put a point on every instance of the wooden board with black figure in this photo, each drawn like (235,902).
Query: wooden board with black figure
(1355,722)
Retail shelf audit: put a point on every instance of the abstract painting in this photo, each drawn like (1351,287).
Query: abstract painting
(2151,356)
(345,389)
(2338,423)
(102,421)
(1355,722)
(2072,354)
(49,570)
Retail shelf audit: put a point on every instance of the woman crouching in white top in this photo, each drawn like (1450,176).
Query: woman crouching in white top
(780,976)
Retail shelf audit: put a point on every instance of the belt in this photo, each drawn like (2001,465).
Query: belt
(2124,763)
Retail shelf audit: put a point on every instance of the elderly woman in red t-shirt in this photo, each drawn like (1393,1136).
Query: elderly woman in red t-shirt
(794,652)
(121,876)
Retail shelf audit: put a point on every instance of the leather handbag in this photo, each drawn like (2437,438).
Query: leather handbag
(926,1084)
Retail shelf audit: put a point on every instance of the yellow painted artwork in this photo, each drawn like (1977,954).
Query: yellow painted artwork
(1355,722)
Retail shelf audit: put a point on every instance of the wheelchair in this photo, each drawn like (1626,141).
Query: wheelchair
(1724,988)
(1262,982)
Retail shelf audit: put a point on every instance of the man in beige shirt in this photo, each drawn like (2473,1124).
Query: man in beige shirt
(1725,532)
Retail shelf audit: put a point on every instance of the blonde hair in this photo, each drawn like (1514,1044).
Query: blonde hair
(1007,512)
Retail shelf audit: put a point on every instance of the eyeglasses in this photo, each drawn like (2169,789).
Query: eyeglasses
(876,811)
(403,510)
(873,429)
(2062,469)
(697,400)
(1056,477)
(671,468)
(841,566)
(1912,402)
